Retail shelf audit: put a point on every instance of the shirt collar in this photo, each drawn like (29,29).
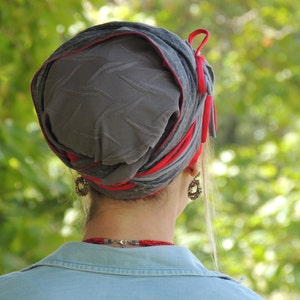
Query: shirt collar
(146,261)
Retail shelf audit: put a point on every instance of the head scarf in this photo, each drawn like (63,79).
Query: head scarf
(127,105)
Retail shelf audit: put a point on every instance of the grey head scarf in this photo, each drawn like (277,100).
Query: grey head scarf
(120,103)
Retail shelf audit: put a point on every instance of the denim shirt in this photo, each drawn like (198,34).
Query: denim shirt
(87,271)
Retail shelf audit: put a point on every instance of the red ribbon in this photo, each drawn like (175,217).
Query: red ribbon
(200,59)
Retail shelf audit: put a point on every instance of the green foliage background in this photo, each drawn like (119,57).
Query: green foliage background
(254,48)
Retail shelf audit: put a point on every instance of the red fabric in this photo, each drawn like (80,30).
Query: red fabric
(206,117)
(200,59)
(200,71)
(122,186)
(196,33)
(196,156)
(72,157)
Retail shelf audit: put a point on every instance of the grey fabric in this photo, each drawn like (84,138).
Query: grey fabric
(100,103)
(120,97)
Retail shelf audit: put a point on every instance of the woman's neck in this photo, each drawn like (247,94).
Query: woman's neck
(135,220)
(145,219)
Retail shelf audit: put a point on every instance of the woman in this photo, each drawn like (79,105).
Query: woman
(128,106)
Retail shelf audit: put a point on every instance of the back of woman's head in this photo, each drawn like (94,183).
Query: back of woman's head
(127,105)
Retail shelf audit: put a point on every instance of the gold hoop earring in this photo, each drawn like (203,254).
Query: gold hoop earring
(81,186)
(195,189)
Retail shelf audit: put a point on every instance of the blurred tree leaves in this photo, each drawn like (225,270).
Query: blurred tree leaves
(254,49)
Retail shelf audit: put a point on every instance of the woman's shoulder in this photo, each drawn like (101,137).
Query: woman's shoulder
(15,286)
(222,287)
(200,281)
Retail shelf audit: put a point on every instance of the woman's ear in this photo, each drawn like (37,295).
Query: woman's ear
(192,169)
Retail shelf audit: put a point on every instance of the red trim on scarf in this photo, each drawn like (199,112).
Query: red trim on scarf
(206,117)
(200,59)
(121,186)
(171,156)
(72,157)
(195,158)
(204,41)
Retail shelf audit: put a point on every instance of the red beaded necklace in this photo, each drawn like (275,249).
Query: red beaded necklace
(124,243)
